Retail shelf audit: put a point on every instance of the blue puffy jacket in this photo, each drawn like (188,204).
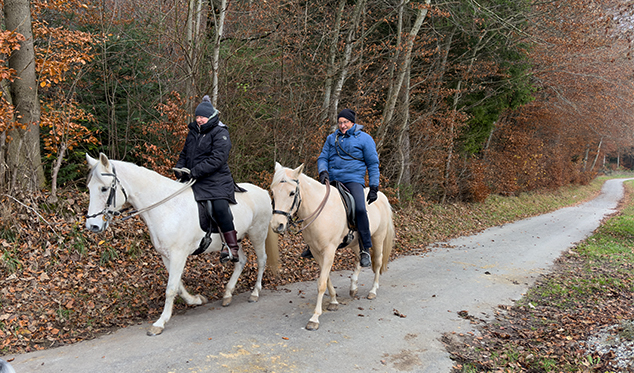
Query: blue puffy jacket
(347,156)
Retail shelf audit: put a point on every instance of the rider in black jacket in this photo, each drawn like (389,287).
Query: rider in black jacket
(205,154)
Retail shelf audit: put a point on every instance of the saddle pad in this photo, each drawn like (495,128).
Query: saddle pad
(203,218)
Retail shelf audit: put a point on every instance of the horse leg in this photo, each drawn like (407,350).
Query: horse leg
(322,284)
(377,260)
(354,279)
(260,251)
(237,271)
(334,305)
(192,300)
(175,268)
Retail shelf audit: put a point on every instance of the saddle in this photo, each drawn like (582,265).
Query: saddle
(207,222)
(349,206)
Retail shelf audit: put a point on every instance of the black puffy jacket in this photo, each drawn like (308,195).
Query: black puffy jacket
(206,153)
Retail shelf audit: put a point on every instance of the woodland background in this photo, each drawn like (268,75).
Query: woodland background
(464,98)
(467,101)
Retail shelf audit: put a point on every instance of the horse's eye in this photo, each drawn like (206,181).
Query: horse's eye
(292,194)
(104,189)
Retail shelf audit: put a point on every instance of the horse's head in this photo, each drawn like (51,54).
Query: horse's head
(285,196)
(107,196)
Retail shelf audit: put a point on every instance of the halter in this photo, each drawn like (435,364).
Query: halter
(296,202)
(109,210)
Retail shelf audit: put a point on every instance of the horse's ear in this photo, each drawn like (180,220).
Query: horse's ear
(91,161)
(298,171)
(278,166)
(104,160)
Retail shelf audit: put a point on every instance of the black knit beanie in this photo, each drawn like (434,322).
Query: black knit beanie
(348,114)
(206,109)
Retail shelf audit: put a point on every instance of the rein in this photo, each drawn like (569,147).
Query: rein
(296,202)
(181,190)
(109,212)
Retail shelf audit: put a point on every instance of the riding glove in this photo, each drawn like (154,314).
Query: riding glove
(324,178)
(372,194)
(182,174)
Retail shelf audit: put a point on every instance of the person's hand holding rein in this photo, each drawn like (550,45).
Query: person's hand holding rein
(372,194)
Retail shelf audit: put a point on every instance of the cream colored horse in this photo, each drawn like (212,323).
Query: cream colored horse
(173,223)
(295,194)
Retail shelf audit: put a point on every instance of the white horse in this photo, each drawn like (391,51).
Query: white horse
(297,194)
(174,226)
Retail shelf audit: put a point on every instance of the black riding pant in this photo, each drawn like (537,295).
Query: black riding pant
(222,215)
(363,225)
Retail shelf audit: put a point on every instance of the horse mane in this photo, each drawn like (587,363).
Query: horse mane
(113,162)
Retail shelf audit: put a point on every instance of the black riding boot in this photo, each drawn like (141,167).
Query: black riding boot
(231,239)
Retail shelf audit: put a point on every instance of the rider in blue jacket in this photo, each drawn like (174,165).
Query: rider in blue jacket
(346,156)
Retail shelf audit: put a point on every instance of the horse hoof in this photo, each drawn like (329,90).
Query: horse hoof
(154,330)
(333,307)
(312,325)
(353,293)
(203,299)
(226,301)
(371,296)
(253,298)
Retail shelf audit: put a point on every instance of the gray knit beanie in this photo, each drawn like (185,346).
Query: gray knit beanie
(206,109)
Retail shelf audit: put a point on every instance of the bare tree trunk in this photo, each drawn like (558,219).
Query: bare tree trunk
(594,162)
(452,121)
(331,68)
(220,27)
(58,164)
(397,51)
(4,172)
(192,33)
(23,151)
(393,93)
(347,57)
(404,177)
(333,87)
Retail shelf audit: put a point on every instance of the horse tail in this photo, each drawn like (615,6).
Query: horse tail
(272,252)
(388,242)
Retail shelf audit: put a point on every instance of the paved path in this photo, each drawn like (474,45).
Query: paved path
(418,300)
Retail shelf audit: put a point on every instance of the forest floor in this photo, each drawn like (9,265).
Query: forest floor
(60,285)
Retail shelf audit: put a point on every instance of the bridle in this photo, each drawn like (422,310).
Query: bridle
(109,211)
(297,201)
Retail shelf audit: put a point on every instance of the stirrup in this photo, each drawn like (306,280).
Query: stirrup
(365,255)
(226,254)
(204,244)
